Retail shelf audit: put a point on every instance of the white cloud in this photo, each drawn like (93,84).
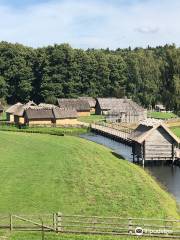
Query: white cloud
(93,23)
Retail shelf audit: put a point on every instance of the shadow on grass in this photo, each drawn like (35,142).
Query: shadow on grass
(118,156)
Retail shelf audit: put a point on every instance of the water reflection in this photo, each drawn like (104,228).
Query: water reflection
(167,175)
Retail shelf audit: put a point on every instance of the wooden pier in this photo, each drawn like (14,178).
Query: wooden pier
(112,133)
(149,143)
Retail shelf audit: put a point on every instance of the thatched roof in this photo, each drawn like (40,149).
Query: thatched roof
(79,105)
(142,132)
(61,113)
(109,103)
(90,100)
(38,113)
(21,108)
(119,105)
(13,108)
(46,105)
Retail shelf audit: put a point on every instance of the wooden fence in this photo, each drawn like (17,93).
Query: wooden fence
(77,224)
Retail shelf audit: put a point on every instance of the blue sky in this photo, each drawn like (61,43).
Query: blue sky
(90,23)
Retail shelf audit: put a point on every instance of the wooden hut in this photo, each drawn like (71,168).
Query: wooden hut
(91,101)
(19,112)
(42,116)
(103,105)
(80,105)
(11,110)
(120,110)
(154,141)
(160,108)
(65,116)
(38,116)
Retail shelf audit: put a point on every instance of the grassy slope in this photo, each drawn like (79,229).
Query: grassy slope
(162,115)
(43,173)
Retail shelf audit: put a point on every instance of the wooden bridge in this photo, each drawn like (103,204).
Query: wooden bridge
(113,133)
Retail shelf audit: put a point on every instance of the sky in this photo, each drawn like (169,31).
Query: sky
(90,23)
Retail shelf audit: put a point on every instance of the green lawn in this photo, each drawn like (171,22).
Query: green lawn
(161,115)
(91,119)
(176,130)
(45,174)
(50,236)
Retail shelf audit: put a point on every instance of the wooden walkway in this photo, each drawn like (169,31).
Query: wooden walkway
(112,133)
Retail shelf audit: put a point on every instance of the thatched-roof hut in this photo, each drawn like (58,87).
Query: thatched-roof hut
(19,112)
(160,108)
(154,141)
(11,110)
(120,110)
(80,105)
(49,116)
(91,101)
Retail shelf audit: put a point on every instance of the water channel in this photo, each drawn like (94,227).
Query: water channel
(167,175)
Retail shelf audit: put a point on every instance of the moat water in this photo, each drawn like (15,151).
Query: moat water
(166,174)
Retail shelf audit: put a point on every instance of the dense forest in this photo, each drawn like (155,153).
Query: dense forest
(148,75)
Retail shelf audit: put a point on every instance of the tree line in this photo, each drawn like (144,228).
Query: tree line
(44,74)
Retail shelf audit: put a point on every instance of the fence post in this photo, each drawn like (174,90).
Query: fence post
(130,230)
(54,221)
(11,223)
(59,222)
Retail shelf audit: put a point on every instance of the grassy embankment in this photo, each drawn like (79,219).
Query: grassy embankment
(59,131)
(45,174)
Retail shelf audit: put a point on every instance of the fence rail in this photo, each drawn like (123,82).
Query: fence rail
(77,224)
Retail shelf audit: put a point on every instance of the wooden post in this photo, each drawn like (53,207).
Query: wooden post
(130,230)
(11,223)
(59,222)
(143,161)
(54,221)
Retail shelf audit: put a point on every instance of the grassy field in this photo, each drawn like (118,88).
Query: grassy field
(176,130)
(161,115)
(91,119)
(45,174)
(49,236)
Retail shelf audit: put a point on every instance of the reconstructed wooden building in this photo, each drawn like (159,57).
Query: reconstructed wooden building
(160,108)
(11,110)
(19,112)
(44,115)
(154,141)
(80,105)
(120,110)
(91,101)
